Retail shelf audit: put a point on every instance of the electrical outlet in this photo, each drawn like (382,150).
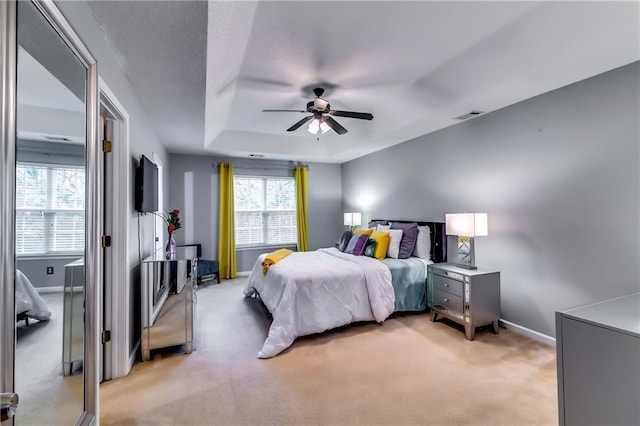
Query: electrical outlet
(49,270)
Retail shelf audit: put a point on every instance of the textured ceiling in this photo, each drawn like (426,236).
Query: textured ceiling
(205,71)
(162,47)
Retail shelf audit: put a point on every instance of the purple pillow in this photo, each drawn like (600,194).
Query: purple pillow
(356,244)
(409,238)
(344,240)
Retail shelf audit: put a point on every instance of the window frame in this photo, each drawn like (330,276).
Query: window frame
(50,212)
(265,213)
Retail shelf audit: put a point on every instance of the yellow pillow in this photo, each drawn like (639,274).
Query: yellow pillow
(363,231)
(383,239)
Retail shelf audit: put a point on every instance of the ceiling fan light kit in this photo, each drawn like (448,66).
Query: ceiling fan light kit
(317,127)
(320,123)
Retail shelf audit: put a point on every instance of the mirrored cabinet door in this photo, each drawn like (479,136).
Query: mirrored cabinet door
(49,223)
(51,169)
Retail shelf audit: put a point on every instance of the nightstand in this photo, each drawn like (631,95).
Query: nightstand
(470,297)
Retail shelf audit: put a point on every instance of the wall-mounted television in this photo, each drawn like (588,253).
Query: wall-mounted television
(146,186)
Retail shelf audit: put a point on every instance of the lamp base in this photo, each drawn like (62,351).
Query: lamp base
(466,253)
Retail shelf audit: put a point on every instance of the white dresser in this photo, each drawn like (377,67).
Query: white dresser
(598,360)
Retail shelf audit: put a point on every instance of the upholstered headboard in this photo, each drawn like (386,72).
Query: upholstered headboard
(438,237)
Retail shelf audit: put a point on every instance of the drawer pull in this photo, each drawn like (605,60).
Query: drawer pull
(446,285)
(445,300)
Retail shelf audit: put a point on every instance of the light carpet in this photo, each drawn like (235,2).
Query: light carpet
(406,371)
(46,396)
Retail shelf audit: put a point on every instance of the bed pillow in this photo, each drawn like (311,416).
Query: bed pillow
(370,247)
(366,231)
(394,243)
(409,237)
(382,244)
(375,223)
(382,228)
(344,240)
(423,243)
(356,244)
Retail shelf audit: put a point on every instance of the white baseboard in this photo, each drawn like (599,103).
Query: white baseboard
(542,338)
(54,289)
(244,273)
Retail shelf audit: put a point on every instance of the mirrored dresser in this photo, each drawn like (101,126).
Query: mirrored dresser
(168,300)
(73,318)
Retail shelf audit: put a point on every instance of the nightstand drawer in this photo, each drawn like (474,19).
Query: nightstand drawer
(447,301)
(447,284)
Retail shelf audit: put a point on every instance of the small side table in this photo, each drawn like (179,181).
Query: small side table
(470,297)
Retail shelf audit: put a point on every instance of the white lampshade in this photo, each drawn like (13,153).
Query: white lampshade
(317,127)
(467,224)
(352,219)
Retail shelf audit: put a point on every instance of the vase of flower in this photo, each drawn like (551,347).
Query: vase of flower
(173,224)
(170,248)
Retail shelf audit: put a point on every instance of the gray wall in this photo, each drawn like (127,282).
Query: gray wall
(36,270)
(143,140)
(193,188)
(559,177)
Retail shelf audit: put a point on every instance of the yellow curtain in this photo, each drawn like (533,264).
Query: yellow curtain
(300,174)
(226,226)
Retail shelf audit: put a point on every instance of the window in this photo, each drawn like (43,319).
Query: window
(265,210)
(49,209)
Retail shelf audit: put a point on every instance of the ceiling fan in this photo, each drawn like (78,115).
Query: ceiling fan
(321,120)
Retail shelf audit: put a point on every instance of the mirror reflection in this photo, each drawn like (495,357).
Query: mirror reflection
(50,224)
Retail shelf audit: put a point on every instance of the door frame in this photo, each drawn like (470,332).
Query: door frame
(8,81)
(118,301)
(93,225)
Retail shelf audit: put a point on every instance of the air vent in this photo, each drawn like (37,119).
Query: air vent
(57,138)
(473,113)
(256,155)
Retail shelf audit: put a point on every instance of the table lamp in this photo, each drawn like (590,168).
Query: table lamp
(352,220)
(466,226)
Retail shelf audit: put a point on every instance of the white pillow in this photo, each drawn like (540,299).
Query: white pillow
(394,242)
(423,243)
(382,228)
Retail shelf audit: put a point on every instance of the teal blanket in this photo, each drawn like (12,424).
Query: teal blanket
(409,279)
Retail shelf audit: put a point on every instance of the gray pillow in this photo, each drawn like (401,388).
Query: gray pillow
(344,240)
(373,223)
(409,238)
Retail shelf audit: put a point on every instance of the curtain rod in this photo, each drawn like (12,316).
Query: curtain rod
(262,167)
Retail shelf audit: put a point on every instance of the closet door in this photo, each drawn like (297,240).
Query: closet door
(49,218)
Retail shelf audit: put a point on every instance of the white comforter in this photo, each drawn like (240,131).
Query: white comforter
(28,300)
(311,292)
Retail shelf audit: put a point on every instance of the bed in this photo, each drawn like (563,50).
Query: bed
(29,304)
(311,292)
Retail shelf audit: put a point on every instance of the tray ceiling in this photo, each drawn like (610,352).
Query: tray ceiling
(205,71)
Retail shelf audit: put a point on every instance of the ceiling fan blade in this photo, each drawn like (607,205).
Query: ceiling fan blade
(299,123)
(335,125)
(283,110)
(351,114)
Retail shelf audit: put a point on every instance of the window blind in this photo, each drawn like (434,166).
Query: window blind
(265,210)
(49,209)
